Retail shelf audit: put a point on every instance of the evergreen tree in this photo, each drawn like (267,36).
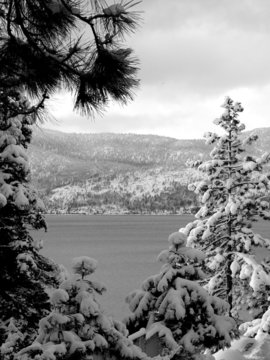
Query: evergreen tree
(77,328)
(48,45)
(233,195)
(174,306)
(24,272)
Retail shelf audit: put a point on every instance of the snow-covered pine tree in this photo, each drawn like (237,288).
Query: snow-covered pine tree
(47,46)
(233,195)
(77,328)
(173,306)
(76,45)
(24,272)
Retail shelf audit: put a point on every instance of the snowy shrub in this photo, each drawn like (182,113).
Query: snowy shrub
(173,306)
(77,327)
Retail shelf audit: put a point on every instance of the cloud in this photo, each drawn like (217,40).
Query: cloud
(192,54)
(186,118)
(247,15)
(206,49)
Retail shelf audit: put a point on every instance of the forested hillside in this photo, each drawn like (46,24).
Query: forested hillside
(117,173)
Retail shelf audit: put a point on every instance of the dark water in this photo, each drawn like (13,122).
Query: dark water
(126,248)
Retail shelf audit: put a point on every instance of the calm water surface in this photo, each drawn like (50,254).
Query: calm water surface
(126,248)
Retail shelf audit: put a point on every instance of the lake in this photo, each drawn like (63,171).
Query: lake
(126,248)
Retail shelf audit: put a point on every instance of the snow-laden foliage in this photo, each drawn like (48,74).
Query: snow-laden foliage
(13,342)
(173,305)
(24,273)
(233,194)
(77,327)
(254,344)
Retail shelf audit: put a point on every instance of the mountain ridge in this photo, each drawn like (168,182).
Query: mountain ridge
(118,173)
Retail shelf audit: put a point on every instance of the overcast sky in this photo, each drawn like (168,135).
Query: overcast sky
(192,54)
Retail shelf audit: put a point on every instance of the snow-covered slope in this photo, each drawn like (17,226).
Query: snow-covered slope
(117,173)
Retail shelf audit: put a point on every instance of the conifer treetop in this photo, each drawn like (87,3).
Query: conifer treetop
(233,194)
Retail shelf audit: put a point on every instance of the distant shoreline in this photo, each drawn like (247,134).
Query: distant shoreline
(120,214)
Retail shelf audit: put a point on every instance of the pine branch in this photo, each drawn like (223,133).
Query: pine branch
(9,19)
